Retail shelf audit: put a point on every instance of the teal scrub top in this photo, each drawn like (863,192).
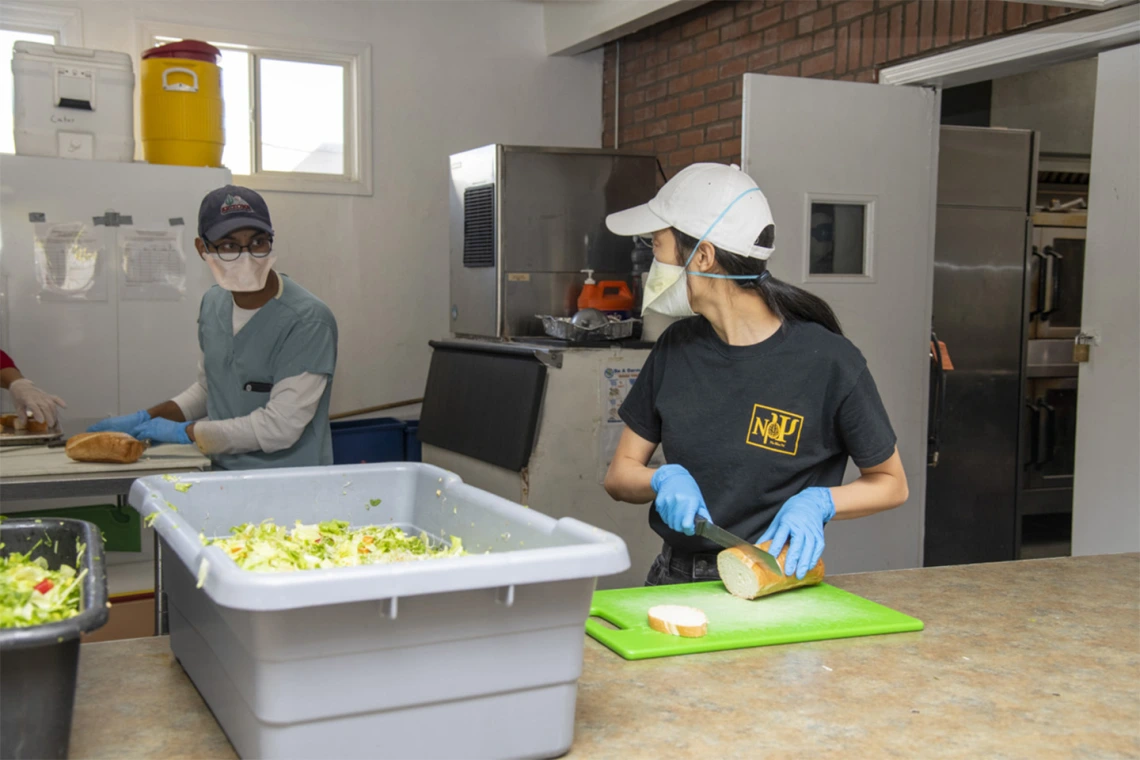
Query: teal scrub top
(293,333)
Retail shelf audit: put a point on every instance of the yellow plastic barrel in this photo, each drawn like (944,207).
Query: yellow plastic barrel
(181,105)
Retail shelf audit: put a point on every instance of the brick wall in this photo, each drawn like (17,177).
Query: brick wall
(681,80)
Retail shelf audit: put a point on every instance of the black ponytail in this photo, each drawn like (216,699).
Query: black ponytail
(785,300)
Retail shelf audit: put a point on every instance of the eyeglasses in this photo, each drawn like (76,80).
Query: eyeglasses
(230,250)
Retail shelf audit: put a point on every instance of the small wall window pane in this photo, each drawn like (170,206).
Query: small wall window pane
(837,239)
(302,117)
(8,38)
(235,96)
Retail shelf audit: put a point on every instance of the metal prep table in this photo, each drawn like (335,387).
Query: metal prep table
(37,472)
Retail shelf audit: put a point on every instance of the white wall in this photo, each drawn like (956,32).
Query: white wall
(1106,486)
(1056,101)
(574,26)
(447,76)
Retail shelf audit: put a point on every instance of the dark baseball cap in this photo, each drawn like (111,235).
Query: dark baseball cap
(232,208)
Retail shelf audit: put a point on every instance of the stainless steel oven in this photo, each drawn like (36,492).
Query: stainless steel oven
(1057,274)
(1050,433)
(1048,428)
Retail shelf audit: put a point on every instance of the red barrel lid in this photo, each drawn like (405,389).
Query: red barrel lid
(193,50)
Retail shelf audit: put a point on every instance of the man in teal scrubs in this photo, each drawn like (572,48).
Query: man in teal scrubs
(268,353)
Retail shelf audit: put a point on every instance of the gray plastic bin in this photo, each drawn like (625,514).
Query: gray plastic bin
(39,664)
(470,657)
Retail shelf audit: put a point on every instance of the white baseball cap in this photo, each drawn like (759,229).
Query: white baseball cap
(718,203)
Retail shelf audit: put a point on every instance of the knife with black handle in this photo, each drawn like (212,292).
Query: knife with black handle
(722,537)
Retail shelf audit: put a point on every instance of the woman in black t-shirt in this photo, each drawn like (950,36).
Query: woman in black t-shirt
(757,399)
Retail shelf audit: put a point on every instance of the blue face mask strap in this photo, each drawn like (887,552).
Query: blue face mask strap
(760,277)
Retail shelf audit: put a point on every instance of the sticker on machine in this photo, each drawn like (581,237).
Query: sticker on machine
(616,383)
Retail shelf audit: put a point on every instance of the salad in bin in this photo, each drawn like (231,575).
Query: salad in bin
(267,547)
(33,594)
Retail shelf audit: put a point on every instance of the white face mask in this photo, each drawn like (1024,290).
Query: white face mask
(667,291)
(246,275)
(667,288)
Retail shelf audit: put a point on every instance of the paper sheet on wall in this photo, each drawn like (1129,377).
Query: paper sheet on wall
(616,383)
(152,266)
(69,262)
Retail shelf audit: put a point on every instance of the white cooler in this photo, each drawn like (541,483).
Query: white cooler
(73,102)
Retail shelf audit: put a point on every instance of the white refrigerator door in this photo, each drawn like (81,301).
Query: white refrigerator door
(102,353)
(866,156)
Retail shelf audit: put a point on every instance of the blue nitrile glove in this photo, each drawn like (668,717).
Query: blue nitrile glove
(802,519)
(123,424)
(679,500)
(160,430)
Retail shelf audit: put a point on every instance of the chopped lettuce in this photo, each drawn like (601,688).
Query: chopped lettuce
(267,547)
(31,594)
(179,485)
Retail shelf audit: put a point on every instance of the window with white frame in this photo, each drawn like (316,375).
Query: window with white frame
(297,114)
(24,22)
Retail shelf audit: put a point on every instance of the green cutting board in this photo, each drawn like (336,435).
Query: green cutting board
(812,613)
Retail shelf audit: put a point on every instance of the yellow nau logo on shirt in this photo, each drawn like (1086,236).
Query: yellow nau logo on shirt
(775,430)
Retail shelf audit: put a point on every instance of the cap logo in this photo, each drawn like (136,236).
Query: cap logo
(234,203)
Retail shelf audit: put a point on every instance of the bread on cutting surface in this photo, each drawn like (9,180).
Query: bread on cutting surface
(748,579)
(678,620)
(23,424)
(112,448)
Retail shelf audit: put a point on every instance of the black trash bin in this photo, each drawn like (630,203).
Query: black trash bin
(38,665)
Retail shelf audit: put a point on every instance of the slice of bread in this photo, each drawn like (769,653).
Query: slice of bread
(113,448)
(678,620)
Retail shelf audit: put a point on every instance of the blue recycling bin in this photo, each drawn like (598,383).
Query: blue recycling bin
(368,441)
(413,449)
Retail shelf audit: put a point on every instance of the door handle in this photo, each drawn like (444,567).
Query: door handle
(1050,427)
(937,405)
(1041,266)
(1053,276)
(1034,433)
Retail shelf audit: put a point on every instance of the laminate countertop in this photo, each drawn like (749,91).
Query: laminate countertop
(1029,659)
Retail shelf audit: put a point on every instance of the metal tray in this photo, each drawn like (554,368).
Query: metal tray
(563,329)
(11,438)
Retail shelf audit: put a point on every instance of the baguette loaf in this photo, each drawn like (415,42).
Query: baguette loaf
(748,579)
(113,448)
(678,620)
